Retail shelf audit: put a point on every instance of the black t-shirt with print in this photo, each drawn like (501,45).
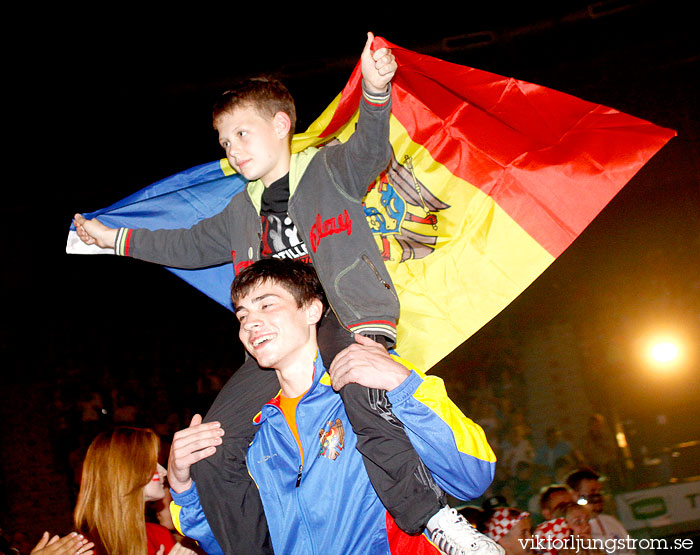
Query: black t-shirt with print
(280,238)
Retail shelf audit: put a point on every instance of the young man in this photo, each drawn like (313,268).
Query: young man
(588,491)
(312,201)
(315,489)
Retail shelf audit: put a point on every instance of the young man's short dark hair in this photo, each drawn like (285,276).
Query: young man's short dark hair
(299,278)
(577,476)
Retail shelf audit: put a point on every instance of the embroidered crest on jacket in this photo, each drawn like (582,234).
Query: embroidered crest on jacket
(332,440)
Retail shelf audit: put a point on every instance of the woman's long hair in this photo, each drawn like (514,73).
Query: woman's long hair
(110,511)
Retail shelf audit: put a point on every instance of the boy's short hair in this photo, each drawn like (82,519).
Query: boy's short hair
(266,94)
(299,278)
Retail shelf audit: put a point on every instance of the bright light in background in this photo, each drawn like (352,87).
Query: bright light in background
(669,349)
(664,352)
(621,440)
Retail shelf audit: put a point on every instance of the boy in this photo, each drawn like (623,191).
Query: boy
(317,495)
(312,201)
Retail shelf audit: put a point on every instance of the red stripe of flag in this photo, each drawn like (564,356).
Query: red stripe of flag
(550,160)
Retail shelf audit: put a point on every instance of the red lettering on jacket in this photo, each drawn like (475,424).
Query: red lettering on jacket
(241,265)
(322,229)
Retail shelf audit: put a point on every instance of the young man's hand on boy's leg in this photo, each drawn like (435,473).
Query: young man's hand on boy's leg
(367,363)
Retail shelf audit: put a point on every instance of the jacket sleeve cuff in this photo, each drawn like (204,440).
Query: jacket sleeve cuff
(406,390)
(187,497)
(123,241)
(378,100)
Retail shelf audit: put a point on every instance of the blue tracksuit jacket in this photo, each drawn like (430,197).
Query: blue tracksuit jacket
(328,505)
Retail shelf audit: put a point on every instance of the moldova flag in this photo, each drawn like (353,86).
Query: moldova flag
(492,179)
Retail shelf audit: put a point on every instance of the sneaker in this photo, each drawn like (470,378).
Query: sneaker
(453,535)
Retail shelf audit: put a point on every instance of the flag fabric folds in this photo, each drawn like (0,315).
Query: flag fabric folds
(492,179)
(177,201)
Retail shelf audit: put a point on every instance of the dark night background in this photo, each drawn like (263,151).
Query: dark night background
(110,102)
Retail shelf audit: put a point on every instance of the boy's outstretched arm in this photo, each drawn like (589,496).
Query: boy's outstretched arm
(378,67)
(94,232)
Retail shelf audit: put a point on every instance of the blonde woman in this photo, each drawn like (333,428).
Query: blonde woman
(120,474)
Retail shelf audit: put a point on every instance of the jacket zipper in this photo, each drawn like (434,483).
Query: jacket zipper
(301,467)
(376,272)
(300,503)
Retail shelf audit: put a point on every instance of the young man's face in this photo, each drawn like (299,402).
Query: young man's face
(274,330)
(256,146)
(592,491)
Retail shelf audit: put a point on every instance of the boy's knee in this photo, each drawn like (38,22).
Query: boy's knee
(368,408)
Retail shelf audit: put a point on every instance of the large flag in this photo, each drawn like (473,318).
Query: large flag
(492,179)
